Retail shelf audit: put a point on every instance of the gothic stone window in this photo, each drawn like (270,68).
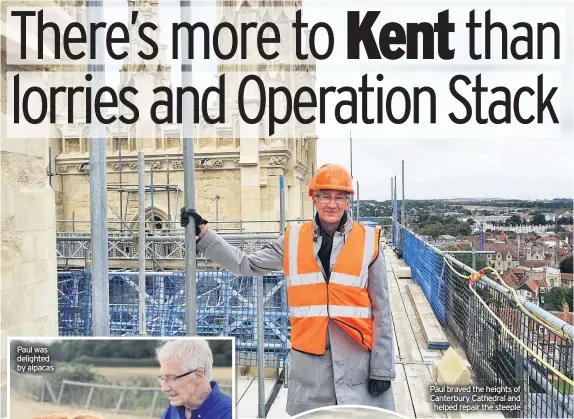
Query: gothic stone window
(158,223)
(72,145)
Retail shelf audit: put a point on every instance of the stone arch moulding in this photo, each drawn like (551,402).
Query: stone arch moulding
(132,135)
(85,133)
(158,211)
(59,133)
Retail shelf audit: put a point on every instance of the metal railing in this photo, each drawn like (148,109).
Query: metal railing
(228,306)
(116,399)
(173,227)
(75,246)
(497,352)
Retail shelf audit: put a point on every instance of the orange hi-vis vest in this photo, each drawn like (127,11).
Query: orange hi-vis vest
(345,298)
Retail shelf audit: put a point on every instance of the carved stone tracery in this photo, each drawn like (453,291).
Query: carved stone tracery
(277,161)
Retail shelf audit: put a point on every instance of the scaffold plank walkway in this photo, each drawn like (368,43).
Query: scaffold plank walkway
(412,344)
(413,359)
(432,330)
(247,397)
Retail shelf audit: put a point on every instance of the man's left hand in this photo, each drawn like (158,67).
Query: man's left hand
(378,387)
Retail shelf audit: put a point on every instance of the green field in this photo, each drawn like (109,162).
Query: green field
(219,373)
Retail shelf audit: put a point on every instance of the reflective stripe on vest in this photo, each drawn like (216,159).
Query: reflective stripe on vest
(335,311)
(345,299)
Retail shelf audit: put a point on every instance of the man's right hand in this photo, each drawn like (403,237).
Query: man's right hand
(200,223)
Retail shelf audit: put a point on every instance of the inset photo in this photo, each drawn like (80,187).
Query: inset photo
(121,378)
(349,411)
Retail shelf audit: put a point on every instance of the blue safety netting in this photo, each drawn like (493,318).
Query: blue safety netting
(427,270)
(226,306)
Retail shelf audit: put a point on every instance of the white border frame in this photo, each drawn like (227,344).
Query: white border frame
(359,408)
(135,337)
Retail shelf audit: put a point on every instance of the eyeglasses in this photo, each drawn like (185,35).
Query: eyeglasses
(326,199)
(171,378)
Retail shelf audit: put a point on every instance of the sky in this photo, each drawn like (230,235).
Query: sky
(441,160)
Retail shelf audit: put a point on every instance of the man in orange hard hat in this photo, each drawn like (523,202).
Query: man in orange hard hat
(341,325)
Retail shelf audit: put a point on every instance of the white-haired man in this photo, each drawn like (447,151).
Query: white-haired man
(337,293)
(186,367)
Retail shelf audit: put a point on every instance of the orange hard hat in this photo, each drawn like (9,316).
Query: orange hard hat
(331,176)
(311,191)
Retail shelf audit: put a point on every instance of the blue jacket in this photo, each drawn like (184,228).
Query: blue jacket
(217,405)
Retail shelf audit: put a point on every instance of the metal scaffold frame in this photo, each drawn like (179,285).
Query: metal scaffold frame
(178,311)
(253,309)
(123,188)
(98,187)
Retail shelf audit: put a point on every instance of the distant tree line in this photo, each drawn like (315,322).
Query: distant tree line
(446,205)
(124,352)
(561,203)
(555,299)
(537,219)
(436,225)
(420,208)
(566,265)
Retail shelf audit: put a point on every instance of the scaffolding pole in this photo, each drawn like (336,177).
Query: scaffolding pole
(50,173)
(351,161)
(189,181)
(281,204)
(392,200)
(142,245)
(152,201)
(393,226)
(135,188)
(358,202)
(403,219)
(260,346)
(395,192)
(169,226)
(98,190)
(121,181)
(217,212)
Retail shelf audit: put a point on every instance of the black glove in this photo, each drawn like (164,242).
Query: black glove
(378,387)
(197,218)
